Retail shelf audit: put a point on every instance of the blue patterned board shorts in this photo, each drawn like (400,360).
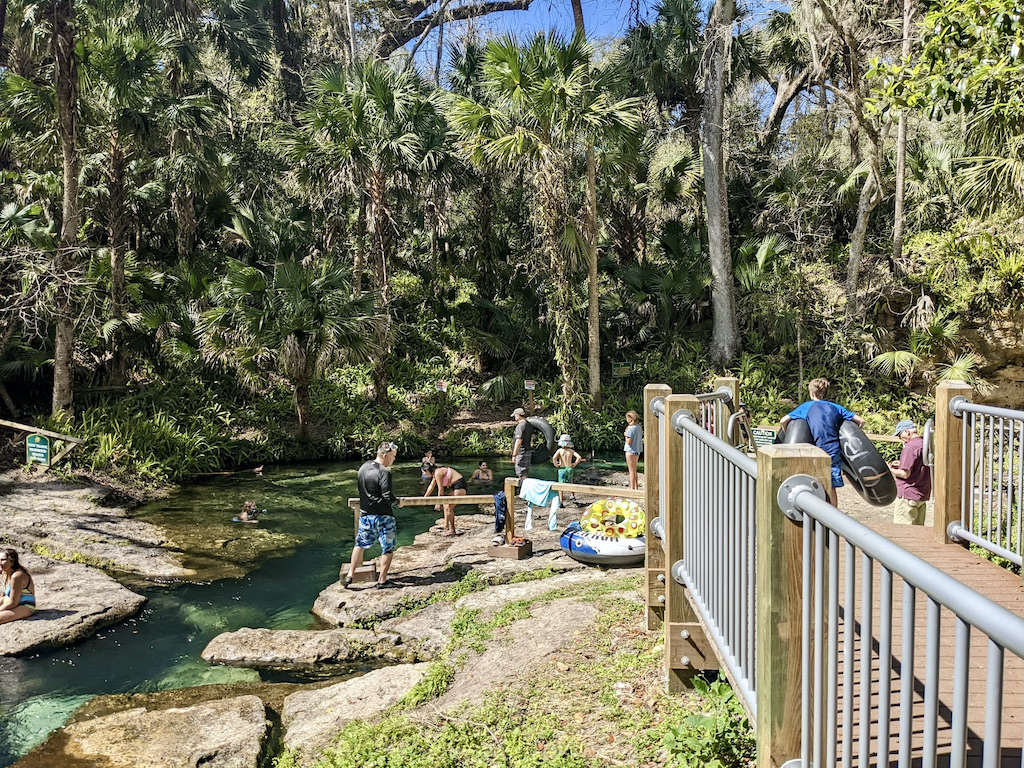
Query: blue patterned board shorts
(380,528)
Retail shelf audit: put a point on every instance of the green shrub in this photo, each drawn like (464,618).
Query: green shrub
(718,735)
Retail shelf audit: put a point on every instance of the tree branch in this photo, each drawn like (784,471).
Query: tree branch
(407,28)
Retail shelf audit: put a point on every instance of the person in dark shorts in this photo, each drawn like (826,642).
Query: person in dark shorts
(824,417)
(376,518)
(521,451)
(913,478)
(447,479)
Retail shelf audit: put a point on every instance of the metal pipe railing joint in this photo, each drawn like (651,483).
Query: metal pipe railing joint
(658,406)
(680,416)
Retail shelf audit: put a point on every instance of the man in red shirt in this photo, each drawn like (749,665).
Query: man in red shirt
(913,478)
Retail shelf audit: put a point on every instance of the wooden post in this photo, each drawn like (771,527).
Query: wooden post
(947,474)
(779,597)
(654,559)
(510,509)
(728,409)
(687,649)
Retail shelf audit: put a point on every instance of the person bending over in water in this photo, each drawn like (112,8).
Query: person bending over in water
(482,473)
(447,478)
(19,599)
(248,513)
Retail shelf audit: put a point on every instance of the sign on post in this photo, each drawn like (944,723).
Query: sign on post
(762,436)
(37,449)
(530,384)
(621,370)
(441,386)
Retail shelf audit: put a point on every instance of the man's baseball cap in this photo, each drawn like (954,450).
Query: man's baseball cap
(518,412)
(904,426)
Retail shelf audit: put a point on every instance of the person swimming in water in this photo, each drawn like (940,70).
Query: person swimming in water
(18,599)
(248,514)
(482,473)
(425,464)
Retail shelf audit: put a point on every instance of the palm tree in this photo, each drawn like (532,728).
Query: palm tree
(546,102)
(376,133)
(290,317)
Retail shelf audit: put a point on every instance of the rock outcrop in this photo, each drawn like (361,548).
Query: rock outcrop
(434,563)
(74,601)
(68,521)
(311,718)
(228,733)
(304,650)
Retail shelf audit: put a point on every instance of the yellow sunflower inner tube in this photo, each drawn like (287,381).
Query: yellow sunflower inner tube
(615,518)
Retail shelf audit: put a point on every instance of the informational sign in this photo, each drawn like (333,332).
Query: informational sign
(441,386)
(762,436)
(530,384)
(38,450)
(621,370)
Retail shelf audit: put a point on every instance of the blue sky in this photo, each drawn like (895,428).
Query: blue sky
(603,18)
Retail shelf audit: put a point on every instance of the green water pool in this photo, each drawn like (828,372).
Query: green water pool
(267,575)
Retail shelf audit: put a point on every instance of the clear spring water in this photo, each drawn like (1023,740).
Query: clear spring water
(267,575)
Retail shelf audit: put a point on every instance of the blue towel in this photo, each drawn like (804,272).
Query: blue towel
(537,491)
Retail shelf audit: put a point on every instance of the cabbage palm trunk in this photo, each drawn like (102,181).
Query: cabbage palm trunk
(66,76)
(718,37)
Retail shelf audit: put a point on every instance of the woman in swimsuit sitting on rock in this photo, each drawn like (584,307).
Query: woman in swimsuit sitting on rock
(447,478)
(19,599)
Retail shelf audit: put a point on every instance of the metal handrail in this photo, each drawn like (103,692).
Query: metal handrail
(958,406)
(722,394)
(992,479)
(1000,624)
(718,565)
(683,421)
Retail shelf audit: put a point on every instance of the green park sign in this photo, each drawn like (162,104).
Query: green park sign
(37,449)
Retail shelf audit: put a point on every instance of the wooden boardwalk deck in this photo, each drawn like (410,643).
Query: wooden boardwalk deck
(996,583)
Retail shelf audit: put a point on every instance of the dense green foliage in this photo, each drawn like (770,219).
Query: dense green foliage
(224,241)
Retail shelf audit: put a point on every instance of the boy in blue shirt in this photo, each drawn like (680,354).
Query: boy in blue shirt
(824,417)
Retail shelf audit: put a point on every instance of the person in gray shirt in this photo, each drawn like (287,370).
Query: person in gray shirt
(521,451)
(634,446)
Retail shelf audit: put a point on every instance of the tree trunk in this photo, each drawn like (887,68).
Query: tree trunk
(290,64)
(593,299)
(377,221)
(869,198)
(66,84)
(717,37)
(786,91)
(6,397)
(901,145)
(118,246)
(302,408)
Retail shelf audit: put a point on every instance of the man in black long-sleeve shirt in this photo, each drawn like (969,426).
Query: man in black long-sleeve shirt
(376,519)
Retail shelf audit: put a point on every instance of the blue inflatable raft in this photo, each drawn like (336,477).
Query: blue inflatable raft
(601,550)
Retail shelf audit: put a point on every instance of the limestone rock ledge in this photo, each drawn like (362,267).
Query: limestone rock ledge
(228,733)
(74,601)
(303,649)
(312,718)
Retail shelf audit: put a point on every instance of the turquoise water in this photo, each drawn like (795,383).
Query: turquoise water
(279,567)
(267,575)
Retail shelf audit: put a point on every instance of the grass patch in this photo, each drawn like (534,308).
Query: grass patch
(73,557)
(599,703)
